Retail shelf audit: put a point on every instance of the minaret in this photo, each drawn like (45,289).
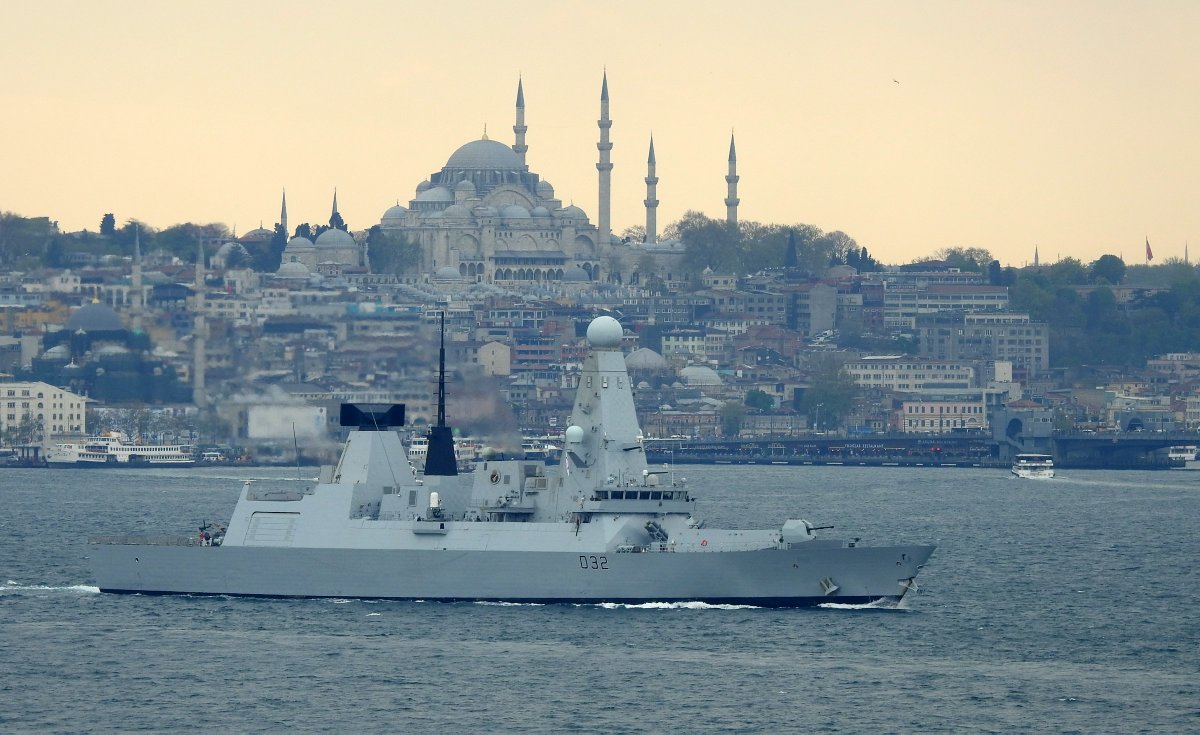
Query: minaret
(605,165)
(651,197)
(335,219)
(519,146)
(138,296)
(283,215)
(199,332)
(731,201)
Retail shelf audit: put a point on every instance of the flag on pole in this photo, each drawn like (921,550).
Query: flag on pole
(1149,252)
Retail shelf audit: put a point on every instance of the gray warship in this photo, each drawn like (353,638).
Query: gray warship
(600,526)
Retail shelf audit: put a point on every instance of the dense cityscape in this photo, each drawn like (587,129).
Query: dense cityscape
(245,344)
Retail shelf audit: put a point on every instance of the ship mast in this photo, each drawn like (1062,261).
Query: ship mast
(440,459)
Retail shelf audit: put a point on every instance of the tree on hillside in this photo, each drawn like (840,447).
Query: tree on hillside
(1108,269)
(967,259)
(108,225)
(391,253)
(830,393)
(759,400)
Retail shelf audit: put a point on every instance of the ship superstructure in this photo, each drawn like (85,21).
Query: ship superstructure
(602,525)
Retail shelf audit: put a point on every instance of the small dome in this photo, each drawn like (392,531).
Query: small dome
(514,211)
(228,249)
(435,194)
(448,273)
(605,333)
(545,190)
(293,269)
(257,235)
(423,186)
(570,212)
(95,318)
(335,238)
(540,211)
(481,154)
(57,352)
(699,375)
(486,211)
(456,210)
(394,215)
(300,243)
(576,274)
(465,185)
(645,358)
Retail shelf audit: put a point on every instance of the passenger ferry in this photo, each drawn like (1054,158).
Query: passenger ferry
(466,451)
(1033,466)
(1186,454)
(114,449)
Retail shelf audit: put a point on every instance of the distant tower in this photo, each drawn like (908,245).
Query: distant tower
(139,297)
(1035,256)
(792,256)
(731,201)
(1185,254)
(519,146)
(605,164)
(199,332)
(283,215)
(651,197)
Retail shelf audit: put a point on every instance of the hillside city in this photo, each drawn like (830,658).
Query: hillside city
(216,352)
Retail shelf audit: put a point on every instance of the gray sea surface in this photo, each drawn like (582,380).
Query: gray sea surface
(1067,605)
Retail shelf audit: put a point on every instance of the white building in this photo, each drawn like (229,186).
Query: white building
(47,409)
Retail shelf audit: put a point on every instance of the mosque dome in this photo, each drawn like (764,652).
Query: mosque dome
(539,211)
(466,186)
(645,358)
(514,211)
(292,269)
(394,216)
(298,243)
(699,375)
(57,352)
(423,186)
(545,190)
(228,249)
(484,154)
(95,318)
(570,211)
(456,210)
(576,274)
(435,194)
(447,273)
(258,234)
(335,238)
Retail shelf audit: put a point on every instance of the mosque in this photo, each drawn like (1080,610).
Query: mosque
(486,217)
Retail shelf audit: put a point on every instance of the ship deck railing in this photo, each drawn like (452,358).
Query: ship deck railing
(145,540)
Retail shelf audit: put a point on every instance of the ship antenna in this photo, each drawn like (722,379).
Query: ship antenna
(439,457)
(296,445)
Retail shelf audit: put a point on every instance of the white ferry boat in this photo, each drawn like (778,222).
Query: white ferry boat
(466,451)
(114,449)
(1033,466)
(1187,454)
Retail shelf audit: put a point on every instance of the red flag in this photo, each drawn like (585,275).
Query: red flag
(1149,252)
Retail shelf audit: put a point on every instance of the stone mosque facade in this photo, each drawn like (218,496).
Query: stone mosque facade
(486,217)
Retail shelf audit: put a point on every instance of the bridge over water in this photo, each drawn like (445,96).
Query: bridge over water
(1135,450)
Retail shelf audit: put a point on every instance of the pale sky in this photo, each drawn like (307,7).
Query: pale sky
(1073,126)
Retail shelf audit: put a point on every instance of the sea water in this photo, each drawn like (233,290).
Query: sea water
(1064,605)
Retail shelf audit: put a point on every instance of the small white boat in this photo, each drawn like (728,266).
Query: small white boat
(1033,466)
(1187,454)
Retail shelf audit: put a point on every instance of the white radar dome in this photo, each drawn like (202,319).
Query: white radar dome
(604,331)
(573,434)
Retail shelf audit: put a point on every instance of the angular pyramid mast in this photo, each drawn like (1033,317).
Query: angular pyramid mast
(440,458)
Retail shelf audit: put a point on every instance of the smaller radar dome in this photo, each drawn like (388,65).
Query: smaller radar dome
(573,434)
(604,331)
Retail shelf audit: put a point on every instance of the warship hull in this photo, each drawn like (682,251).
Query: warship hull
(768,578)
